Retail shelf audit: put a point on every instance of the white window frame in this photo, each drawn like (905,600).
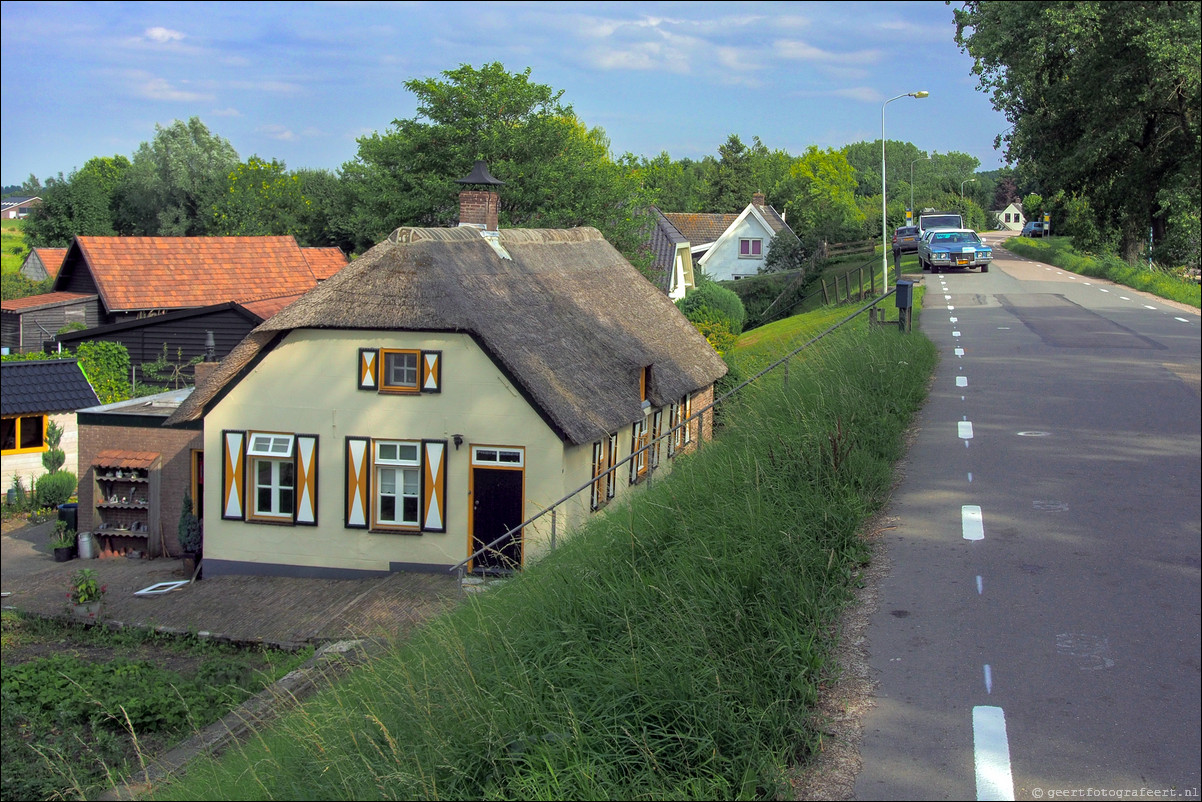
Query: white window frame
(269,444)
(276,487)
(404,469)
(757,241)
(498,457)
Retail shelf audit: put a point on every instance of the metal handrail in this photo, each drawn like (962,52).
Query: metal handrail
(699,415)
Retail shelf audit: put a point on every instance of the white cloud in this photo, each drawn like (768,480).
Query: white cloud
(863,93)
(279,132)
(229,111)
(279,87)
(163,35)
(161,89)
(802,51)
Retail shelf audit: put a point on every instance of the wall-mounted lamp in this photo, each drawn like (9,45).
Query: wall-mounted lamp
(458,438)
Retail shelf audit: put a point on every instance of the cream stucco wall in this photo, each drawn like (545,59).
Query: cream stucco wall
(307,385)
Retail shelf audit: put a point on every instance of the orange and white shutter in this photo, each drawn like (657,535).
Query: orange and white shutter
(431,372)
(306,479)
(358,484)
(233,476)
(434,485)
(369,369)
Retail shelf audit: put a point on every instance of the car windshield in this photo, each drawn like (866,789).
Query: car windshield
(957,237)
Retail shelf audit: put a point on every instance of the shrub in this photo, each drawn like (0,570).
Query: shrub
(711,294)
(54,489)
(53,458)
(189,528)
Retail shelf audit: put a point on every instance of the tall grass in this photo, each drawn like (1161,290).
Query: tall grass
(672,649)
(1058,251)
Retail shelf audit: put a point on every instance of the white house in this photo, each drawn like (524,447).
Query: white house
(730,246)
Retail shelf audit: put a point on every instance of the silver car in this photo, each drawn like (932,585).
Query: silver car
(943,248)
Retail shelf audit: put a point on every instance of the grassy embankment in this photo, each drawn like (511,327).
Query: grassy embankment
(1059,251)
(12,245)
(672,649)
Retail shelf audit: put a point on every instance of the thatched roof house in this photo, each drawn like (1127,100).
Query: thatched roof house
(495,372)
(568,318)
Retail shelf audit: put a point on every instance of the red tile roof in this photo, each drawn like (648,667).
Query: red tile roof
(140,273)
(31,302)
(51,258)
(266,307)
(700,229)
(325,262)
(119,458)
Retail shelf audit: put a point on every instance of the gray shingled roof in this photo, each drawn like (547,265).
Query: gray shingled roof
(664,239)
(562,311)
(44,386)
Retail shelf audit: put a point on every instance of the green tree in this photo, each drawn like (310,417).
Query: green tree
(79,206)
(819,198)
(1104,100)
(673,186)
(175,181)
(261,198)
(557,171)
(732,183)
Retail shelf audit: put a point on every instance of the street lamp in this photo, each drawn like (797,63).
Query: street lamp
(921,158)
(962,183)
(884,201)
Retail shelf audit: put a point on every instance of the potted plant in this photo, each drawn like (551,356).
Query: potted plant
(86,595)
(63,542)
(191,536)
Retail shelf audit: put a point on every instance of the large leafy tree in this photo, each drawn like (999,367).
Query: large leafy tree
(819,197)
(79,205)
(261,199)
(1104,103)
(557,172)
(175,181)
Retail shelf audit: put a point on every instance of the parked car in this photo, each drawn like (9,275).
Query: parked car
(905,240)
(943,248)
(1032,229)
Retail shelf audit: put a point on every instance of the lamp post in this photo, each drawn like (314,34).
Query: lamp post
(912,181)
(962,183)
(884,197)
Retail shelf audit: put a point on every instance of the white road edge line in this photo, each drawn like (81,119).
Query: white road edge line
(991,754)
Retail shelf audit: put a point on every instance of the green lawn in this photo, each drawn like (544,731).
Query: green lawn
(12,245)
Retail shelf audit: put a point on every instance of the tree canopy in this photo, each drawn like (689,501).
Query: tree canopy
(558,172)
(1104,103)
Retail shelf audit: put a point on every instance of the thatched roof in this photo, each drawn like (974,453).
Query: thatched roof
(571,322)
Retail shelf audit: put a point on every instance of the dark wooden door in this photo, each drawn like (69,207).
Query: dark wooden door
(496,508)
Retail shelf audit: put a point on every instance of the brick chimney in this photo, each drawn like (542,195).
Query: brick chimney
(478,207)
(758,199)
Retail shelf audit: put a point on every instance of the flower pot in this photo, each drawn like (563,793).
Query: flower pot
(88,612)
(63,553)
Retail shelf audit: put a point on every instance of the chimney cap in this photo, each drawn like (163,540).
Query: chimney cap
(480,175)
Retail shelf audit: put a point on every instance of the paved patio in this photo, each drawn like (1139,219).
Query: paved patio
(277,611)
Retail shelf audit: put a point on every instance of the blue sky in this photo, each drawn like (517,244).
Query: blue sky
(300,82)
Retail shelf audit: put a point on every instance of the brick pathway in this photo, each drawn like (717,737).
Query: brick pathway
(277,611)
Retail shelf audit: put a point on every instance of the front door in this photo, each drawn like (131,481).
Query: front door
(497,479)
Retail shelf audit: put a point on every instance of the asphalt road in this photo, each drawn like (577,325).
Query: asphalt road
(1038,635)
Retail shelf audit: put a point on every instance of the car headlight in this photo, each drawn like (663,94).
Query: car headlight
(940,256)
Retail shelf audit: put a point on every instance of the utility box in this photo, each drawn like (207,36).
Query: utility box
(905,294)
